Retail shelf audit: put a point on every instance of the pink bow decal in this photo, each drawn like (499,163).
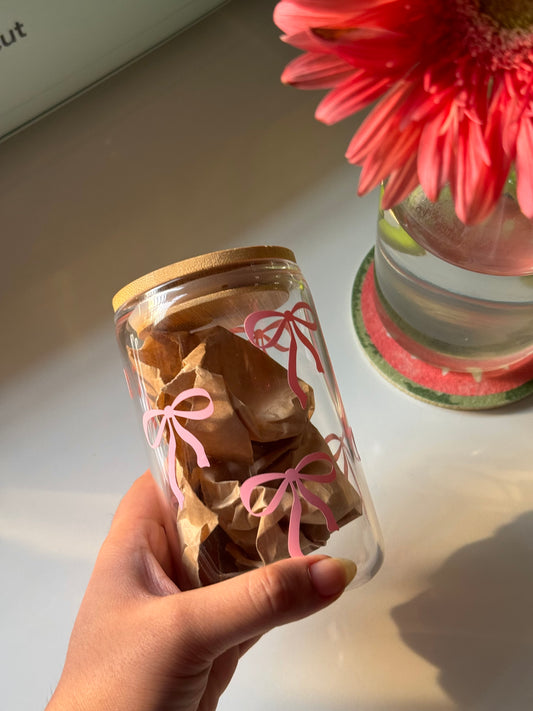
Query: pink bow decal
(295,478)
(130,391)
(342,451)
(169,418)
(285,321)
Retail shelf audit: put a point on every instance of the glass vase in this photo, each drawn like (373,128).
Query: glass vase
(456,296)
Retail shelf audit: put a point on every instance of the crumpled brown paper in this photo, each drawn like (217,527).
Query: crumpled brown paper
(257,426)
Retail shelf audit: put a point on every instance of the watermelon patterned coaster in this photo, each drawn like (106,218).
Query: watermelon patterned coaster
(426,382)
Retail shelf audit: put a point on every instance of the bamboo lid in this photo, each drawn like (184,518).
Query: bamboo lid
(204,264)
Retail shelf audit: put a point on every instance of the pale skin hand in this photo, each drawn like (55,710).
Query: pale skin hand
(140,644)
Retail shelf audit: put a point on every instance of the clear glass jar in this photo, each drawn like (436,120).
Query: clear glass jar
(241,414)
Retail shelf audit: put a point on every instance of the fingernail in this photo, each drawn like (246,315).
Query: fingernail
(330,576)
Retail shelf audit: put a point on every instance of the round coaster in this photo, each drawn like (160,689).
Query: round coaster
(459,391)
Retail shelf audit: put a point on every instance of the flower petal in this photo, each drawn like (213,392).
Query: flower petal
(292,16)
(401,182)
(316,71)
(372,48)
(433,157)
(475,178)
(396,149)
(524,167)
(350,97)
(376,125)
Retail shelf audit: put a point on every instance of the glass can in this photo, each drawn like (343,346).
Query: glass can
(242,418)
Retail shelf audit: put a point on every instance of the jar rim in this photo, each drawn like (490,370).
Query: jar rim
(203,264)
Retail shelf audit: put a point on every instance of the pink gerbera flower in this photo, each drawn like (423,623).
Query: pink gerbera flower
(453,86)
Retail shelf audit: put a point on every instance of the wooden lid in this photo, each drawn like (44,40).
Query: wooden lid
(203,264)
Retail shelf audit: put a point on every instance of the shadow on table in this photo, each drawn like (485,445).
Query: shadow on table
(475,621)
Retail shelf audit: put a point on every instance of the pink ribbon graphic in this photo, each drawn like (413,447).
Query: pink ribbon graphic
(130,391)
(342,451)
(286,321)
(295,478)
(169,418)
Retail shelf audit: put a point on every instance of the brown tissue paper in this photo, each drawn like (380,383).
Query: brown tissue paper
(257,426)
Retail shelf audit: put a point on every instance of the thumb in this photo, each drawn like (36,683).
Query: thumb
(230,613)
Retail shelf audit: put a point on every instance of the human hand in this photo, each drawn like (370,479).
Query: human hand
(141,644)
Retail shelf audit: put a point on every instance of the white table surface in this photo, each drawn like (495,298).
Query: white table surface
(198,147)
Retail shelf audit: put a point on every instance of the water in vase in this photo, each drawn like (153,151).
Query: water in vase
(446,314)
